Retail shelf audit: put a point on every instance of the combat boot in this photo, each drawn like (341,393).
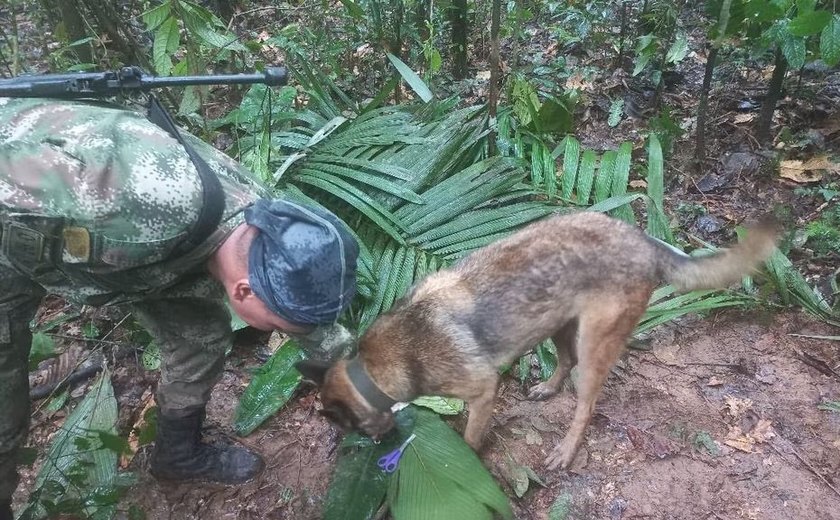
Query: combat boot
(179,453)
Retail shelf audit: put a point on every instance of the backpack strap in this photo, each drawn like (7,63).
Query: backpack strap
(213,199)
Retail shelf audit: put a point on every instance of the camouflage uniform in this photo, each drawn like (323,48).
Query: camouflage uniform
(133,192)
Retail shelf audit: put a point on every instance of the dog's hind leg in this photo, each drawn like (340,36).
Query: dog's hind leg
(565,341)
(603,332)
(481,411)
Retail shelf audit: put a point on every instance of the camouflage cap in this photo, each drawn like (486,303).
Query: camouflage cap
(302,263)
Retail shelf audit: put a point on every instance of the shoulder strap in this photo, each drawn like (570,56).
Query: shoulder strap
(213,199)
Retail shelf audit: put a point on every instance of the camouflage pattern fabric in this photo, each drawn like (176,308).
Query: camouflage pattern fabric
(112,172)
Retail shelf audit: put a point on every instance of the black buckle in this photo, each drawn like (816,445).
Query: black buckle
(24,243)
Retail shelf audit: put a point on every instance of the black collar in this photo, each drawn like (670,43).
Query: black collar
(365,386)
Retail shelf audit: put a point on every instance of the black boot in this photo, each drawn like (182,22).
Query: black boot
(6,510)
(179,453)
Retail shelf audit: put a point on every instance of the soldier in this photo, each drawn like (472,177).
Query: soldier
(103,207)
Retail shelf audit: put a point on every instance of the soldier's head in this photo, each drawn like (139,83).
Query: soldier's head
(301,267)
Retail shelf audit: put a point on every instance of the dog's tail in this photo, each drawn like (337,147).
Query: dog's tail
(723,267)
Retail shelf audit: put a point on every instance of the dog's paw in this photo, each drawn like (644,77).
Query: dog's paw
(541,391)
(561,456)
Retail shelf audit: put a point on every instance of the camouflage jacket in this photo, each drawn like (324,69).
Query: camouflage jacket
(110,171)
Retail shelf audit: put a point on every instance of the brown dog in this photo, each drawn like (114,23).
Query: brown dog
(583,280)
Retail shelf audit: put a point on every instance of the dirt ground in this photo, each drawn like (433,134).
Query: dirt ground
(663,443)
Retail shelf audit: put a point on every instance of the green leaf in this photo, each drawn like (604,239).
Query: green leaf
(604,179)
(555,116)
(810,23)
(586,176)
(830,406)
(616,111)
(571,156)
(830,42)
(167,39)
(657,225)
(793,49)
(441,405)
(90,330)
(56,403)
(75,461)
(678,50)
(156,15)
(440,476)
(358,485)
(561,507)
(621,178)
(113,442)
(353,8)
(270,388)
(151,357)
(43,347)
(413,80)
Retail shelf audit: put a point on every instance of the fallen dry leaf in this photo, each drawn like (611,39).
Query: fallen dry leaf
(714,381)
(760,433)
(640,184)
(811,170)
(735,406)
(576,81)
(483,75)
(744,118)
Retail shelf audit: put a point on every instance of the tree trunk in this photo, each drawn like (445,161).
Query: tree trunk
(493,96)
(109,21)
(619,60)
(702,110)
(74,24)
(703,107)
(422,14)
(458,19)
(768,107)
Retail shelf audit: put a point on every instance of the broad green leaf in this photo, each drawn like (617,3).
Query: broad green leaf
(441,405)
(43,347)
(353,8)
(621,178)
(358,485)
(156,15)
(76,460)
(439,476)
(358,199)
(616,111)
(151,357)
(657,222)
(571,156)
(586,176)
(57,403)
(604,179)
(810,23)
(830,42)
(678,49)
(411,78)
(793,48)
(561,507)
(830,406)
(271,387)
(167,39)
(555,116)
(547,358)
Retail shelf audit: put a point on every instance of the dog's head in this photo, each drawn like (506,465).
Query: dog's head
(343,404)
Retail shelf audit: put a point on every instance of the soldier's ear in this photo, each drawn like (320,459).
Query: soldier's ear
(314,371)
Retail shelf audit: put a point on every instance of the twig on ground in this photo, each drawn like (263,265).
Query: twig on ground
(804,462)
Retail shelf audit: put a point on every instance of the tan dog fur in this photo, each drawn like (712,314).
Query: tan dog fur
(582,279)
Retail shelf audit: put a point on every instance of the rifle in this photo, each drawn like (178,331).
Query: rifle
(110,83)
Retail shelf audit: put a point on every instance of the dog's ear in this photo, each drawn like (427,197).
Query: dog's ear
(313,370)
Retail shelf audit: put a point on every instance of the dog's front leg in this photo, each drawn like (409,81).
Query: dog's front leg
(481,410)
